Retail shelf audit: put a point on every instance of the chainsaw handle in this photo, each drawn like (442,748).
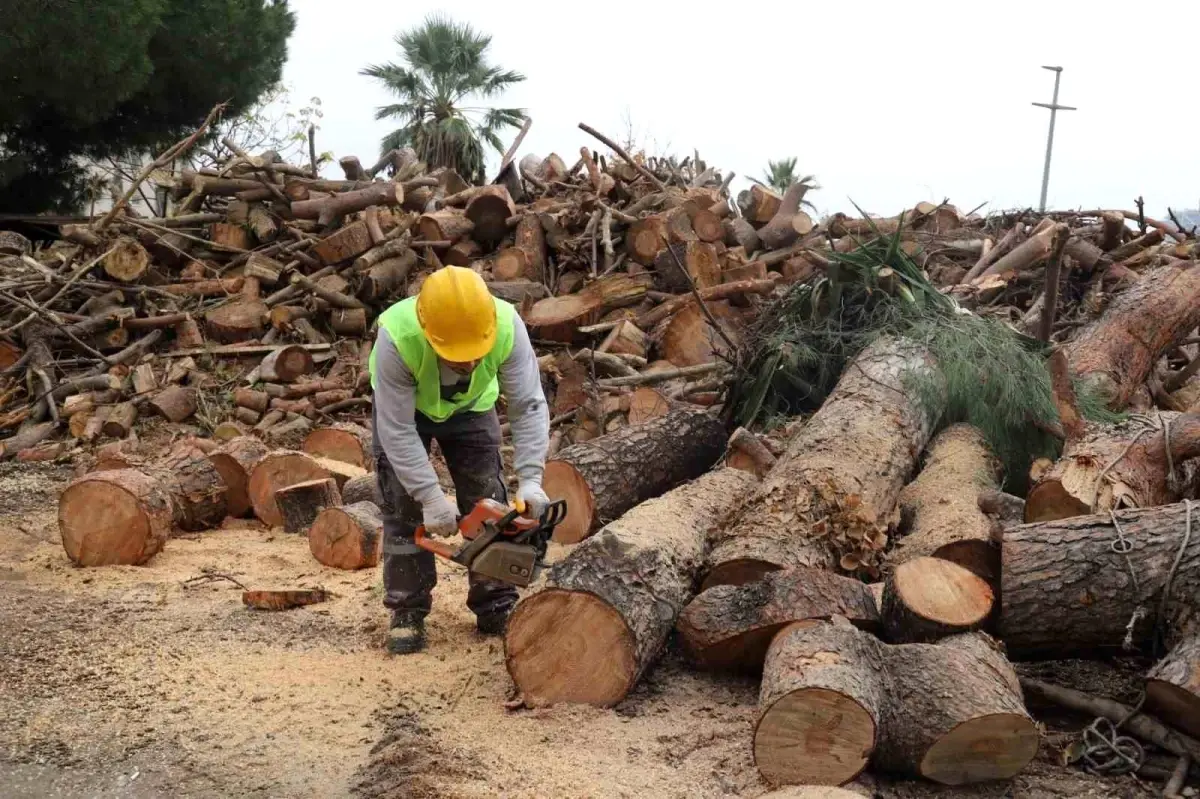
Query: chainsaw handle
(430,545)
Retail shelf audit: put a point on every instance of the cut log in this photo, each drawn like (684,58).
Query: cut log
(340,471)
(261,223)
(1066,589)
(249,398)
(463,252)
(954,714)
(689,339)
(700,260)
(188,335)
(940,511)
(625,339)
(205,288)
(114,517)
(385,278)
(831,498)
(1117,352)
(526,259)
(604,612)
(362,489)
(240,320)
(277,470)
(229,236)
(127,262)
(349,537)
(1029,253)
(1120,465)
(175,403)
(789,222)
(811,792)
(758,205)
(489,211)
(645,404)
(603,478)
(730,627)
(329,210)
(286,365)
(740,233)
(247,416)
(558,318)
(118,422)
(1173,685)
(301,503)
(926,599)
(144,381)
(348,242)
(197,488)
(234,462)
(283,599)
(748,453)
(449,224)
(820,705)
(266,270)
(348,321)
(348,443)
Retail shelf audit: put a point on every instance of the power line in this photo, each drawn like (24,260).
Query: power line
(1054,109)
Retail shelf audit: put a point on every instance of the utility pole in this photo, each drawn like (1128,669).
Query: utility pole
(1054,109)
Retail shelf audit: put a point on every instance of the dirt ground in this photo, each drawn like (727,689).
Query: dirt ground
(156,681)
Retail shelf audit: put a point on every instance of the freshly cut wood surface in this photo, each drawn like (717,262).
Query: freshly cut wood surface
(347,537)
(557,318)
(604,612)
(175,403)
(925,599)
(121,516)
(234,462)
(286,364)
(301,503)
(278,470)
(731,626)
(646,403)
(283,599)
(349,443)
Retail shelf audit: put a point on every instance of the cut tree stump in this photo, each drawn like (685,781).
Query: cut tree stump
(1066,590)
(954,713)
(128,261)
(602,478)
(197,488)
(1117,352)
(730,627)
(114,517)
(604,612)
(820,705)
(286,365)
(830,499)
(940,509)
(349,443)
(301,503)
(925,599)
(234,462)
(362,489)
(349,537)
(277,470)
(1173,685)
(175,403)
(1120,465)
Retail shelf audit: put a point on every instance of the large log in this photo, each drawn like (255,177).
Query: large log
(343,244)
(349,443)
(820,704)
(698,258)
(115,517)
(349,537)
(286,364)
(1120,465)
(175,403)
(1066,587)
(687,338)
(526,259)
(758,204)
(558,318)
(196,487)
(234,462)
(449,224)
(277,470)
(361,489)
(789,222)
(925,599)
(1117,352)
(1173,685)
(301,503)
(603,478)
(604,612)
(488,211)
(731,626)
(954,713)
(831,498)
(241,319)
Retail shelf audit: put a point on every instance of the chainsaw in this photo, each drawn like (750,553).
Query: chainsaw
(499,542)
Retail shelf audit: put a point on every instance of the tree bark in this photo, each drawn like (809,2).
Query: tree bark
(348,443)
(730,627)
(301,503)
(926,599)
(175,403)
(604,612)
(118,422)
(286,365)
(526,259)
(1065,588)
(361,489)
(234,462)
(1173,685)
(384,279)
(114,517)
(603,478)
(329,210)
(697,257)
(349,537)
(820,704)
(830,499)
(347,242)
(277,470)
(449,224)
(196,487)
(740,233)
(1117,352)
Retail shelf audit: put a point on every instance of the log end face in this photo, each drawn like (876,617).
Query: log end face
(813,736)
(561,480)
(993,747)
(103,524)
(341,541)
(738,572)
(572,647)
(237,495)
(942,592)
(1178,706)
(1050,501)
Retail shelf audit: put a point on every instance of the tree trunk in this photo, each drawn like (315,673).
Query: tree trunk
(348,242)
(234,462)
(604,612)
(301,503)
(361,489)
(349,537)
(697,257)
(526,259)
(558,318)
(954,713)
(925,599)
(197,488)
(286,365)
(175,403)
(449,224)
(687,338)
(348,443)
(384,279)
(830,498)
(820,704)
(348,321)
(128,262)
(783,230)
(1066,589)
(277,470)
(1120,465)
(488,212)
(1173,685)
(758,205)
(740,233)
(730,627)
(940,509)
(603,478)
(114,517)
(118,422)
(1117,352)
(329,210)
(646,238)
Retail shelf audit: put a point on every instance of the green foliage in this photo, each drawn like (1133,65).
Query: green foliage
(991,376)
(99,80)
(780,174)
(445,66)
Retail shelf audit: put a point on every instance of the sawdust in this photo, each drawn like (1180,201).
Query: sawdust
(125,681)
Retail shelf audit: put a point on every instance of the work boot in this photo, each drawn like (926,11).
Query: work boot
(492,623)
(406,634)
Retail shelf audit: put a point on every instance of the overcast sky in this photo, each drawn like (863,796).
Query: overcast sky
(887,103)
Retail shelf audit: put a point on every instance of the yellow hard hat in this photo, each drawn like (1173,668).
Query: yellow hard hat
(457,314)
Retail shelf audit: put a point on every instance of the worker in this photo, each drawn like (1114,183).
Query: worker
(439,362)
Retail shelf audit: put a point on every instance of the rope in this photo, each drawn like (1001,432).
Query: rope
(1106,751)
(1123,546)
(1160,622)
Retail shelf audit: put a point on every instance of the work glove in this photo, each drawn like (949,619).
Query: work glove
(531,499)
(441,517)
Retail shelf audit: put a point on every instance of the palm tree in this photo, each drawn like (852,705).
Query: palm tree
(445,66)
(782,173)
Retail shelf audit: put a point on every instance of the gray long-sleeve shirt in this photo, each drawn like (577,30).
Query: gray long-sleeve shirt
(395,414)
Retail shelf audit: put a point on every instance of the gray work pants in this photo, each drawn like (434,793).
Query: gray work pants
(470,443)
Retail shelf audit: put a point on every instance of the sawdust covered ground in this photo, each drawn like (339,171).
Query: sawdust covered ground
(144,682)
